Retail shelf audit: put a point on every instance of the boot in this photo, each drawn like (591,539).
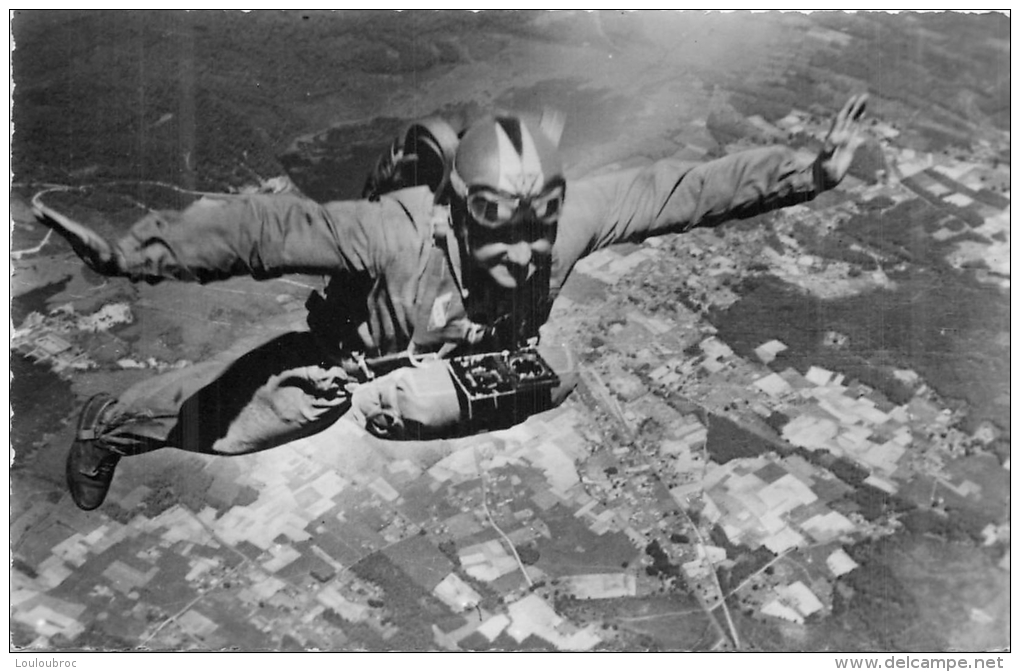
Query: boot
(90,466)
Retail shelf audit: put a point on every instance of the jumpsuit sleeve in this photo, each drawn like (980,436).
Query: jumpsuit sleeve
(263,236)
(672,196)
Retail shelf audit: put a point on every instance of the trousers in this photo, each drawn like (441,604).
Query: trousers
(287,389)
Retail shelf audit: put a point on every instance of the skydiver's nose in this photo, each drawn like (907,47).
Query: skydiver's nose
(519,254)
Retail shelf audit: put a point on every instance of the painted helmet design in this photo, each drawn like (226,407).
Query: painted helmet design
(507,167)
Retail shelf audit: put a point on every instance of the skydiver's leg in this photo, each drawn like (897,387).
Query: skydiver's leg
(226,408)
(280,391)
(277,393)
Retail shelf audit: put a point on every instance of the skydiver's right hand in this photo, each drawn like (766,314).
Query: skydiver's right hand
(93,249)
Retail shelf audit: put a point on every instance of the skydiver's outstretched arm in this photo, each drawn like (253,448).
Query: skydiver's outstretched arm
(216,238)
(673,196)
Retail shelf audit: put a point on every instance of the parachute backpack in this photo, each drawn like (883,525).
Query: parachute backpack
(422,155)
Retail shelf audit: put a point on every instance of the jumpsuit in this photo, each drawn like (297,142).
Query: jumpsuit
(391,288)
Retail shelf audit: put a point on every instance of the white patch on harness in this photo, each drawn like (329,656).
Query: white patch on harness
(440,311)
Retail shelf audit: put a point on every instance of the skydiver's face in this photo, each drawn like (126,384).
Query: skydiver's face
(511,253)
(508,237)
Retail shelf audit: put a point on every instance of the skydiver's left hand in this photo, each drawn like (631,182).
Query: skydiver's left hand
(840,144)
(92,248)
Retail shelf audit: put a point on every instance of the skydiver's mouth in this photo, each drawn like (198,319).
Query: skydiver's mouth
(520,274)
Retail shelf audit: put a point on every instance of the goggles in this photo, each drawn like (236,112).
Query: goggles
(492,207)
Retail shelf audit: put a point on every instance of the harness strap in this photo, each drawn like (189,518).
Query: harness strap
(432,308)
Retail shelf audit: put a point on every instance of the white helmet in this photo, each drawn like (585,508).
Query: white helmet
(507,167)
